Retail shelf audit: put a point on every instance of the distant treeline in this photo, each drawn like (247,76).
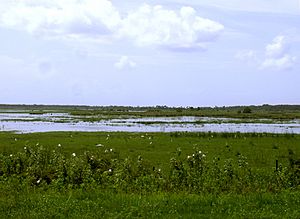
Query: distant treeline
(265,107)
(281,112)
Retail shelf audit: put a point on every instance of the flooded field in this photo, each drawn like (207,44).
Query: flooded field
(23,122)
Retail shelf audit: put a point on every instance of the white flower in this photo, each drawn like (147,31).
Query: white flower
(11,155)
(142,136)
(74,155)
(159,170)
(38,181)
(111,150)
(200,152)
(37,144)
(106,151)
(188,157)
(203,155)
(193,155)
(59,145)
(151,142)
(25,148)
(16,139)
(99,145)
(110,170)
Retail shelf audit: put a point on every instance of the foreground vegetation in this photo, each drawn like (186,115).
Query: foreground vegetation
(95,203)
(156,175)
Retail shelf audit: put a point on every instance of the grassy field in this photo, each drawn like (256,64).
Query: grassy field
(149,175)
(262,150)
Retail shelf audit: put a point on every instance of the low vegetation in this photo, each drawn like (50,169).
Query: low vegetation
(279,112)
(156,175)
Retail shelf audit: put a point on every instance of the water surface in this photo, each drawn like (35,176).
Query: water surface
(28,123)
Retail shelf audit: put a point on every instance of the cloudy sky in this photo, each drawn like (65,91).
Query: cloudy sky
(173,52)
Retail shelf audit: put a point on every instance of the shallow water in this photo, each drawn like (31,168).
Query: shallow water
(20,122)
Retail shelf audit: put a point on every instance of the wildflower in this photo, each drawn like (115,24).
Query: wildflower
(74,155)
(193,155)
(200,152)
(159,170)
(37,144)
(203,155)
(188,157)
(11,155)
(142,136)
(38,181)
(16,139)
(25,148)
(110,170)
(106,151)
(59,145)
(108,135)
(99,145)
(151,142)
(111,150)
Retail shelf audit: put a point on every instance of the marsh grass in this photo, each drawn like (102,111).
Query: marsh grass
(104,167)
(94,175)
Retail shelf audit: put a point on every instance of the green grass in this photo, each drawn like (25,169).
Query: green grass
(261,149)
(46,181)
(95,203)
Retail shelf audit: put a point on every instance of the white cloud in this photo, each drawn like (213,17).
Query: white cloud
(277,57)
(158,26)
(148,25)
(124,63)
(246,55)
(283,63)
(62,17)
(277,48)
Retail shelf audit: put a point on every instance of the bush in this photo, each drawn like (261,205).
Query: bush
(247,110)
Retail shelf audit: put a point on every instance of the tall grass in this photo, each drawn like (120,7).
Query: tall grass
(190,175)
(194,174)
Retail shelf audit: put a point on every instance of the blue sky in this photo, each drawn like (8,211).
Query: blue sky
(174,52)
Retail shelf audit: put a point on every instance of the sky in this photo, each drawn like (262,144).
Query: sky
(148,53)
